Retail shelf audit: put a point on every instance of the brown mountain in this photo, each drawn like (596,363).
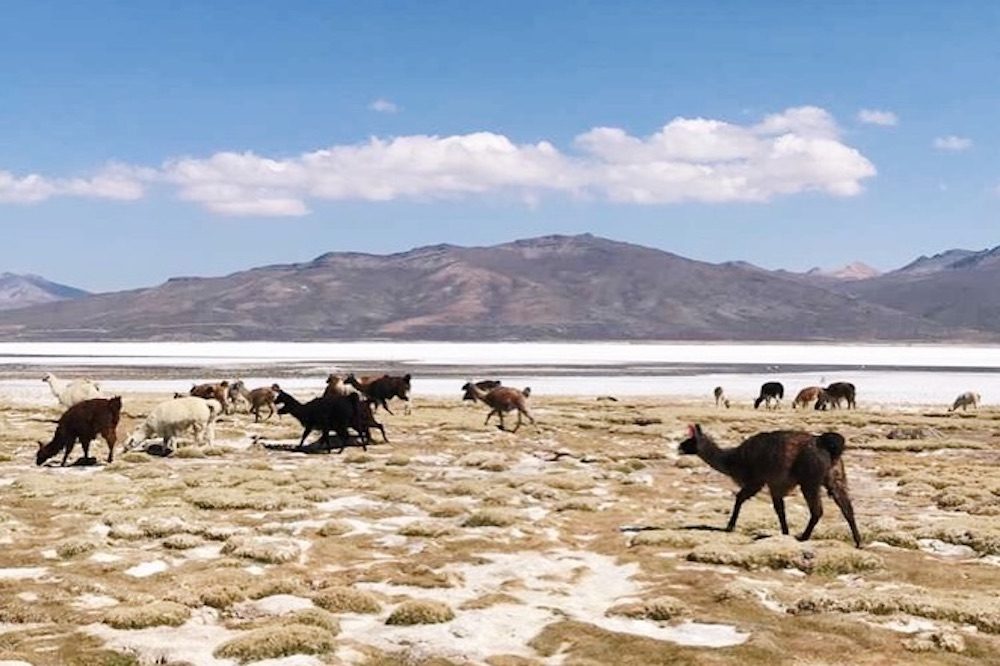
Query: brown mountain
(957,288)
(554,287)
(19,291)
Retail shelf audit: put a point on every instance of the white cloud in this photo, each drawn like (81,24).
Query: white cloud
(878,117)
(952,143)
(383,106)
(116,182)
(688,159)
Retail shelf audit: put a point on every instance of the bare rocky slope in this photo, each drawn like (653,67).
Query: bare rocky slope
(19,291)
(957,288)
(553,287)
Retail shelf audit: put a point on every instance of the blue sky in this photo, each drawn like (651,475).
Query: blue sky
(140,141)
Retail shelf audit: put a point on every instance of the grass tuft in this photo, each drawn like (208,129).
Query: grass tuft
(347,600)
(282,640)
(156,614)
(420,611)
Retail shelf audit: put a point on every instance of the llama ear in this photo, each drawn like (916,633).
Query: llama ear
(41,445)
(694,430)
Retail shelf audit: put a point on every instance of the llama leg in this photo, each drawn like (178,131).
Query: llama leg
(778,500)
(69,448)
(386,405)
(530,417)
(742,496)
(305,433)
(407,408)
(843,502)
(518,421)
(381,429)
(487,421)
(815,510)
(85,443)
(111,437)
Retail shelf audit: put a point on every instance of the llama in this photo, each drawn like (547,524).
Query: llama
(484,385)
(218,392)
(84,421)
(969,398)
(501,400)
(720,397)
(808,395)
(781,460)
(836,392)
(69,393)
(336,386)
(770,391)
(173,417)
(379,391)
(256,399)
(325,414)
(237,396)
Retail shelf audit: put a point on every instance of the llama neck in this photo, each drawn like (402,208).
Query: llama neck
(716,457)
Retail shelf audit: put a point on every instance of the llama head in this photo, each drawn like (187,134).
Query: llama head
(690,445)
(45,451)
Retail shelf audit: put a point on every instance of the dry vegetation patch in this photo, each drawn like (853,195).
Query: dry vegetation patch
(341,599)
(420,611)
(160,613)
(278,641)
(471,520)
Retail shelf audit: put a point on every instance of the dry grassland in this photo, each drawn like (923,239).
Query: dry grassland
(569,543)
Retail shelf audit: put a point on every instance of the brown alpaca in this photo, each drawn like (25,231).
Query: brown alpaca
(218,392)
(835,393)
(501,400)
(380,390)
(781,460)
(84,421)
(259,398)
(810,394)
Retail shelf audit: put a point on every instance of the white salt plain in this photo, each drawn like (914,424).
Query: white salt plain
(891,375)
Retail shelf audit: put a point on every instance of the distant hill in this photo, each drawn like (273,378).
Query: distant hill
(18,291)
(854,271)
(553,287)
(957,288)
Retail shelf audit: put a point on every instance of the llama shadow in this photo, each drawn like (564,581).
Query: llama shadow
(703,528)
(312,448)
(90,461)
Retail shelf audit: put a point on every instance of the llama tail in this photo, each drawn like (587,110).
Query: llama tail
(833,442)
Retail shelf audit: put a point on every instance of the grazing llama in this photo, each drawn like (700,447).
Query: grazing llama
(967,399)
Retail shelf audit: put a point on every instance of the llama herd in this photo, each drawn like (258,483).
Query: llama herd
(834,396)
(781,460)
(347,404)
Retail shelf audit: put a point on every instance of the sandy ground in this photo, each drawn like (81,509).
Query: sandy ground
(572,542)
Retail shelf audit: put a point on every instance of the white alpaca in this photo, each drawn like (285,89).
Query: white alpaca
(173,417)
(967,399)
(68,393)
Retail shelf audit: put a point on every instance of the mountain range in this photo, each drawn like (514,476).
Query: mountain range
(18,291)
(553,287)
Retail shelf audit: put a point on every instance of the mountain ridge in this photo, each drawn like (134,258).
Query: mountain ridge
(550,287)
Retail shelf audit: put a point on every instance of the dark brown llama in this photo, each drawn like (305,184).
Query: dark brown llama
(770,391)
(84,421)
(781,460)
